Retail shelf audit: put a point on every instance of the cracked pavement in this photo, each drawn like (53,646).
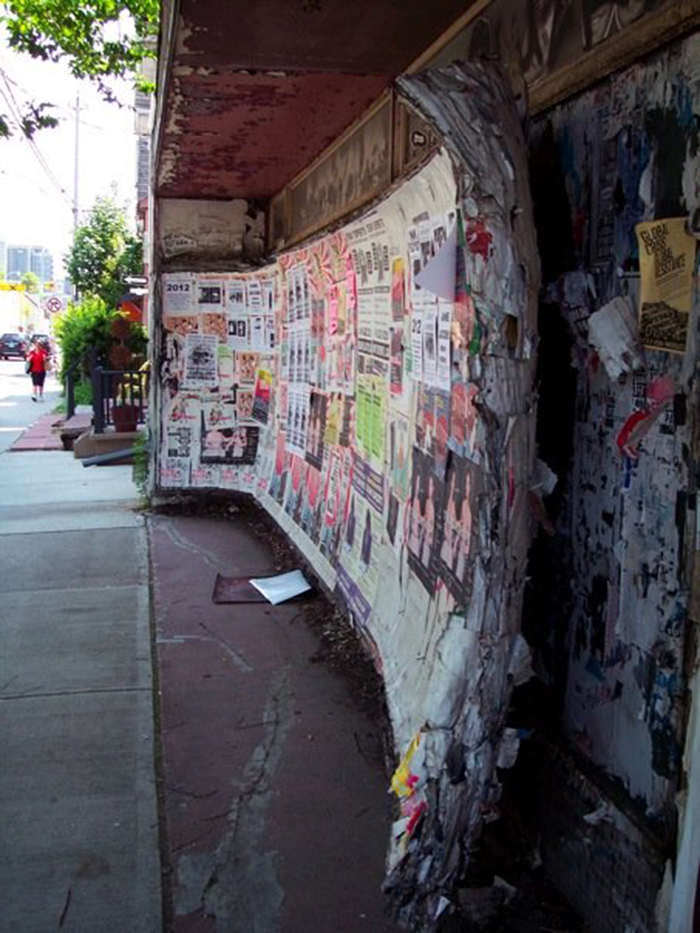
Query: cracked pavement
(277,820)
(78,802)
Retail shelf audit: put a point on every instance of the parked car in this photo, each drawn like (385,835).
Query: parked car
(12,345)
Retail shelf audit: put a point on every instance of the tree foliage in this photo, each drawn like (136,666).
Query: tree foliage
(98,39)
(104,254)
(31,281)
(80,33)
(34,117)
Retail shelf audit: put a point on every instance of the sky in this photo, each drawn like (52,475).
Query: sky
(36,206)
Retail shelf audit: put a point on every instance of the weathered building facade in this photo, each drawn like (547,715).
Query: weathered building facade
(346,327)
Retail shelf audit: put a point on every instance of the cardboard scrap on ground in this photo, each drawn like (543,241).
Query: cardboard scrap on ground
(235,590)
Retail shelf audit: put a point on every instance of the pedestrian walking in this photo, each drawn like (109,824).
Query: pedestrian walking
(37,366)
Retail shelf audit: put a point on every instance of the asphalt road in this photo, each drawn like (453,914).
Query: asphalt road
(17,410)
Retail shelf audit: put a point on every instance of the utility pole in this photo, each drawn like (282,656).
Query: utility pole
(76,161)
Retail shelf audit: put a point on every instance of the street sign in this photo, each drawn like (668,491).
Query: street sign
(54,304)
(12,287)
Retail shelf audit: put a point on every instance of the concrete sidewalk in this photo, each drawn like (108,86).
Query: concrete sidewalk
(274,793)
(79,837)
(278,814)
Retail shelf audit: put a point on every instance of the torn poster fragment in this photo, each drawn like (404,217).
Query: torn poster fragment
(438,276)
(614,333)
(659,395)
(210,293)
(178,294)
(201,361)
(544,480)
(408,783)
(282,587)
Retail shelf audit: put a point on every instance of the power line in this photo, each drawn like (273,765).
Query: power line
(67,108)
(33,181)
(15,111)
(42,162)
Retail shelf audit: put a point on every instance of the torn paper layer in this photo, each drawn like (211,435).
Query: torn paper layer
(614,333)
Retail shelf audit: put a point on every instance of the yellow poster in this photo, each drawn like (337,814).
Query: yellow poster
(666,261)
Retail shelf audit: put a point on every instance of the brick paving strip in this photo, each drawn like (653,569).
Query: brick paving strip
(40,435)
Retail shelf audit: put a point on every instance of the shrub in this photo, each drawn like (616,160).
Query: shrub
(83,393)
(141,464)
(88,325)
(80,328)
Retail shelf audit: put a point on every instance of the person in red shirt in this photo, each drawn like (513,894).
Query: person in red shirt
(37,365)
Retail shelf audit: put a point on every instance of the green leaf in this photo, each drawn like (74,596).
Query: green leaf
(77,32)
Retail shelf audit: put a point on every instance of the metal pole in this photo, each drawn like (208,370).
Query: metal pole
(70,392)
(98,414)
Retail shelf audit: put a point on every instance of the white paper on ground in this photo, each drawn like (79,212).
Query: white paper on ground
(283,586)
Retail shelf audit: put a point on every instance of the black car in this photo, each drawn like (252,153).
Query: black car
(12,345)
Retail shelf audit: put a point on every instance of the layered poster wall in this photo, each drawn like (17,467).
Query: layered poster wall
(373,390)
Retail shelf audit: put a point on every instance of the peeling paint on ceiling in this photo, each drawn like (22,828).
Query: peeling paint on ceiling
(257,92)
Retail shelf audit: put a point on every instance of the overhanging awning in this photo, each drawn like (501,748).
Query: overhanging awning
(254,92)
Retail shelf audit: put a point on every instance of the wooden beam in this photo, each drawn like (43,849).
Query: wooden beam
(650,33)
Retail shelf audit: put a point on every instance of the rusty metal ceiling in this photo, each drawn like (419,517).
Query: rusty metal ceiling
(256,90)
